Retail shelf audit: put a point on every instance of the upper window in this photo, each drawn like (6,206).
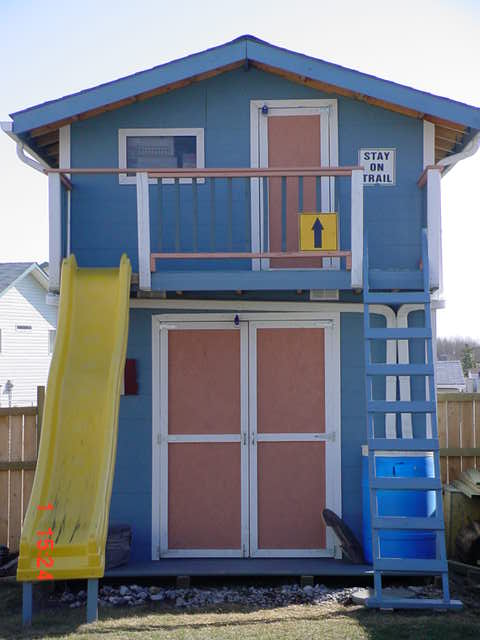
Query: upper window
(23,327)
(160,148)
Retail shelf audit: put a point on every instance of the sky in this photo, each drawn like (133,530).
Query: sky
(50,48)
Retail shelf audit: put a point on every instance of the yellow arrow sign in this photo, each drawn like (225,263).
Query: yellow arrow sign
(318,231)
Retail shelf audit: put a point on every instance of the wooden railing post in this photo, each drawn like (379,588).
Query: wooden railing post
(434,232)
(54,231)
(357,228)
(143,228)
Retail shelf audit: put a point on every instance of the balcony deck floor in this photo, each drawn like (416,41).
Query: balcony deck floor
(233,567)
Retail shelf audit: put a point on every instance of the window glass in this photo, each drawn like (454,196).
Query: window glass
(168,152)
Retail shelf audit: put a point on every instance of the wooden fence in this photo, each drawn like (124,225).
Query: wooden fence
(459,433)
(19,437)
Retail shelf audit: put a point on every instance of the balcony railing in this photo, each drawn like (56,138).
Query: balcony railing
(198,220)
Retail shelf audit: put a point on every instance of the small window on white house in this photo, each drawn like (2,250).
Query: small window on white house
(52,334)
(23,327)
(160,149)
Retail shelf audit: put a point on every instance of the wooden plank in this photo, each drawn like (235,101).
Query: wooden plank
(157,172)
(454,417)
(249,255)
(18,465)
(29,455)
(458,397)
(18,411)
(4,481)
(468,436)
(442,437)
(15,501)
(459,451)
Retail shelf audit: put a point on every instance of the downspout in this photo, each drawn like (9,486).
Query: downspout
(26,160)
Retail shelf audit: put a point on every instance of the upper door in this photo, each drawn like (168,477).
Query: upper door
(292,134)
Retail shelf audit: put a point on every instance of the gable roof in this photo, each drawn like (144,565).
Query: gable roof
(43,119)
(449,373)
(12,272)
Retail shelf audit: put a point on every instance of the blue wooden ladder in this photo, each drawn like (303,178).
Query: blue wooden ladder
(404,566)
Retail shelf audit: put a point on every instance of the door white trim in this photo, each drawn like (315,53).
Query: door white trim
(328,111)
(332,436)
(161,438)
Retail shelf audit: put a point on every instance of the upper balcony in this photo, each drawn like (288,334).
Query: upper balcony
(237,229)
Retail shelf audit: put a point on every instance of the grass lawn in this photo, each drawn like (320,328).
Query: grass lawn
(295,622)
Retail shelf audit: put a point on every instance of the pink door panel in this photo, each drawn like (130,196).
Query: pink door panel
(203,381)
(204,487)
(291,495)
(293,141)
(291,481)
(290,380)
(204,476)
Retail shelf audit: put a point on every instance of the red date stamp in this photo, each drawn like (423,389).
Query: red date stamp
(45,544)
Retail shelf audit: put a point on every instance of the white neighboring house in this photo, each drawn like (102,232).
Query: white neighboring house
(27,332)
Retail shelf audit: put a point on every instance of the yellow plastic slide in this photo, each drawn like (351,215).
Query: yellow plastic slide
(66,523)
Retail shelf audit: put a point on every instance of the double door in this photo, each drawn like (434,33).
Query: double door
(247,449)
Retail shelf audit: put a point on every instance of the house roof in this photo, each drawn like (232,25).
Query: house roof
(38,125)
(449,373)
(12,272)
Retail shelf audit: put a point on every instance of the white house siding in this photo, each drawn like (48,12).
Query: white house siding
(24,356)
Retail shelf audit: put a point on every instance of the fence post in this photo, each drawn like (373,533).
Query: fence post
(40,405)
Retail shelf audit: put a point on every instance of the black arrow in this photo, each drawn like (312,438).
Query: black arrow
(317,234)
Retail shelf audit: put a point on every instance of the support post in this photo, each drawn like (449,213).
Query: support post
(434,230)
(54,232)
(357,228)
(92,600)
(143,228)
(27,602)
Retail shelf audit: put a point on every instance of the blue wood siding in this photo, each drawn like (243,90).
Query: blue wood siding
(132,487)
(104,212)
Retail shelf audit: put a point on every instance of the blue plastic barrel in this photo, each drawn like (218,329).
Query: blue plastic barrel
(399,543)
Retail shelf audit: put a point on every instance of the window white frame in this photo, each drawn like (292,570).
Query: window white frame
(327,109)
(123,134)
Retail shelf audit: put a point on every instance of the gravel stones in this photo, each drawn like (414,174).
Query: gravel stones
(197,598)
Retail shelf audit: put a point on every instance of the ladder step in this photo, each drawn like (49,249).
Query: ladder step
(405,565)
(413,603)
(397,334)
(401,484)
(382,369)
(414,406)
(403,444)
(407,523)
(412,297)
